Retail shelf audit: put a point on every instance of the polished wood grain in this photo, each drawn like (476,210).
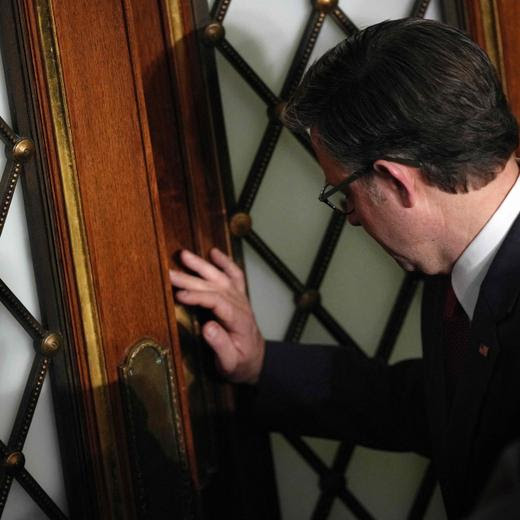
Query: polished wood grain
(21,66)
(130,173)
(494,26)
(508,13)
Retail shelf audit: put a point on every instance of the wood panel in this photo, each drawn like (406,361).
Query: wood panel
(130,173)
(493,24)
(125,261)
(117,197)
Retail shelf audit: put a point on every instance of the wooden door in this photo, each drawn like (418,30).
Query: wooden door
(124,174)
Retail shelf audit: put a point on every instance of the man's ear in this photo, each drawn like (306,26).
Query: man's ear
(399,181)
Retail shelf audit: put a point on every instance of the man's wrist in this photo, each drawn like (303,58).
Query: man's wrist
(257,365)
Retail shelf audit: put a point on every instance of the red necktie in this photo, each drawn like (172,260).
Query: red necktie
(456,326)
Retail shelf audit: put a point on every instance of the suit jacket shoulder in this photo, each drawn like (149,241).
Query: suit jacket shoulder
(485,415)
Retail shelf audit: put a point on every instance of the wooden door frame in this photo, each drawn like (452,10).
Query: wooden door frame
(39,73)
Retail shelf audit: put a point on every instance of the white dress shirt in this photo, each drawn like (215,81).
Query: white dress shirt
(472,266)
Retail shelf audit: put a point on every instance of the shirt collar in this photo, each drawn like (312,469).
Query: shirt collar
(472,266)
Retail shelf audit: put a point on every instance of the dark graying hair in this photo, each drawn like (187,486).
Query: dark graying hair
(411,88)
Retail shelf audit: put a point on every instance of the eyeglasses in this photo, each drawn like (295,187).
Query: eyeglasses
(336,199)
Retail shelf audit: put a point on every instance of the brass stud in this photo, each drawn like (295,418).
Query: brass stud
(51,344)
(325,6)
(23,149)
(240,224)
(213,33)
(307,300)
(14,462)
(275,111)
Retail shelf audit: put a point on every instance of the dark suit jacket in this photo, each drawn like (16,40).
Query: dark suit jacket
(501,497)
(340,393)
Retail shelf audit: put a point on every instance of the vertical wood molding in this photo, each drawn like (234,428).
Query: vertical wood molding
(207,204)
(494,26)
(128,156)
(109,474)
(507,12)
(493,37)
(186,439)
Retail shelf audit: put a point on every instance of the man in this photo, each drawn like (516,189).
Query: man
(409,123)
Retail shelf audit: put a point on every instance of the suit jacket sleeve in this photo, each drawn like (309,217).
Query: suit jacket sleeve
(340,393)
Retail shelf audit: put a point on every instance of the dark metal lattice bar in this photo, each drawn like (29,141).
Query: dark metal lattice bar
(303,53)
(14,468)
(296,325)
(246,72)
(259,166)
(274,127)
(257,84)
(334,328)
(344,22)
(419,8)
(17,150)
(306,301)
(20,313)
(285,274)
(6,479)
(326,250)
(397,316)
(38,494)
(29,401)
(305,141)
(274,262)
(219,10)
(324,472)
(424,494)
(327,497)
(6,134)
(384,350)
(7,185)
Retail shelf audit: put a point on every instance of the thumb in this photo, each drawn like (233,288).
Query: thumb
(218,339)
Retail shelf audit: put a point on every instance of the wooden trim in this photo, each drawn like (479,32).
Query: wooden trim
(493,37)
(128,155)
(21,69)
(186,442)
(108,464)
(207,205)
(454,13)
(484,27)
(493,24)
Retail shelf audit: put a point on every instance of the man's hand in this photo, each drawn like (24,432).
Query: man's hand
(234,334)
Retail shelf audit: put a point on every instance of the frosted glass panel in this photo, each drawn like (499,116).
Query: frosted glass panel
(245,120)
(394,479)
(272,301)
(360,287)
(16,355)
(361,283)
(261,30)
(365,13)
(287,203)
